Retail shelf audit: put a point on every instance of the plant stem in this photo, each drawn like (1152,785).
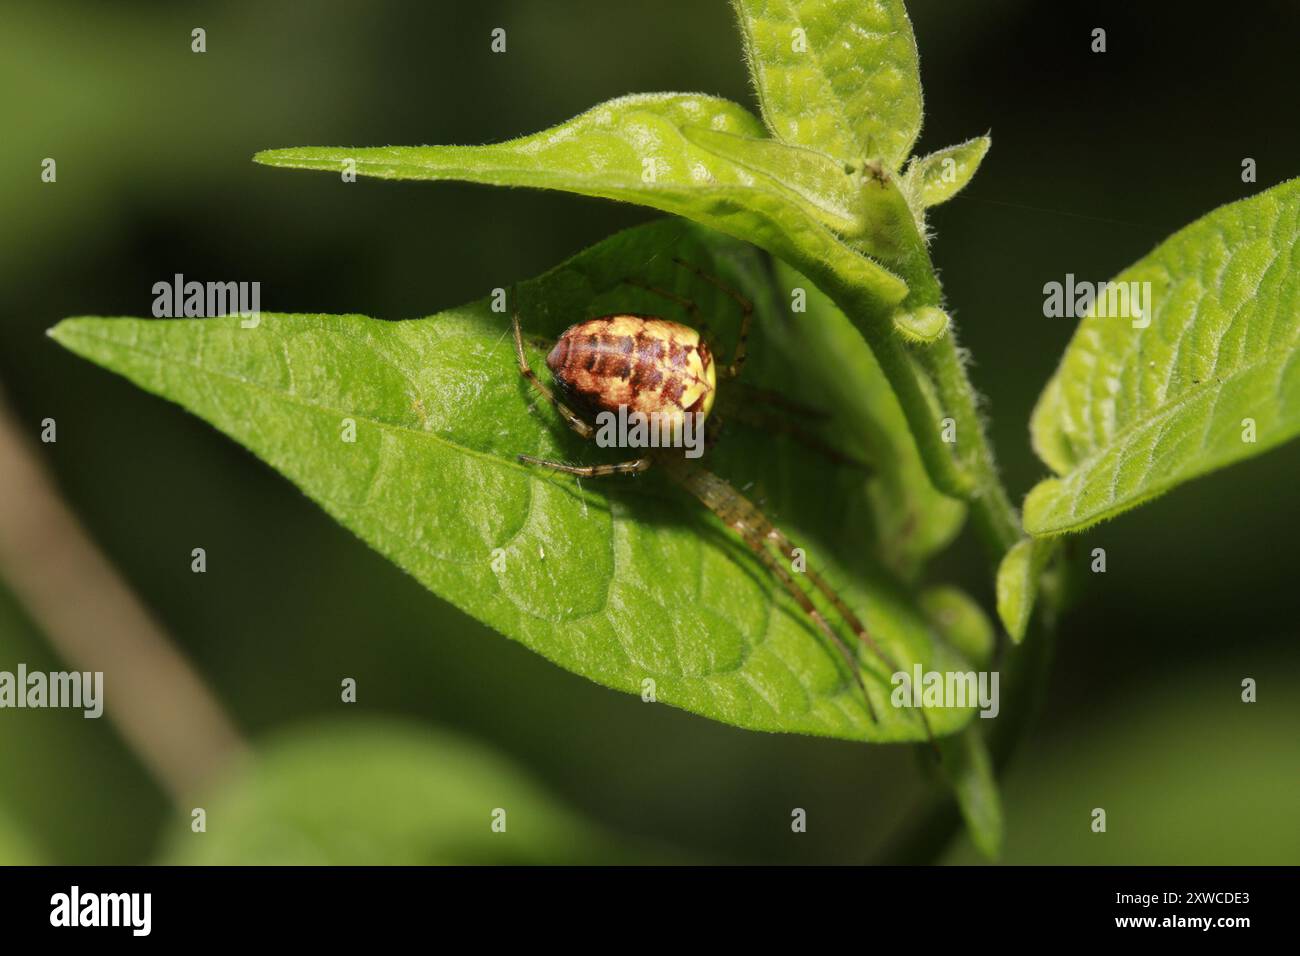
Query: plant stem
(964,469)
(995,518)
(931,384)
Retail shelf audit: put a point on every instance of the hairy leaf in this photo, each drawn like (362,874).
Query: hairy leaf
(636,149)
(624,580)
(817,180)
(385,793)
(867,209)
(1019,575)
(839,76)
(938,177)
(1212,379)
(922,326)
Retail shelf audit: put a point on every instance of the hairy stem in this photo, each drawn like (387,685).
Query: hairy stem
(995,518)
(964,469)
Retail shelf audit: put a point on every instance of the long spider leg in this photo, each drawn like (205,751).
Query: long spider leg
(692,309)
(809,439)
(633,467)
(787,548)
(769,396)
(570,416)
(805,603)
(743,517)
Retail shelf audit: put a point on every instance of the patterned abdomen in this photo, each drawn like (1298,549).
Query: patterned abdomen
(650,365)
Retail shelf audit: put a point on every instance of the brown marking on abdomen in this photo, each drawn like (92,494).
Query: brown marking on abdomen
(642,362)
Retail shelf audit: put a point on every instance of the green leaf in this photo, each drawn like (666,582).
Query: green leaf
(622,580)
(868,210)
(1019,575)
(16,846)
(938,177)
(1133,412)
(814,178)
(636,149)
(966,765)
(839,76)
(912,519)
(961,621)
(922,326)
(604,152)
(381,793)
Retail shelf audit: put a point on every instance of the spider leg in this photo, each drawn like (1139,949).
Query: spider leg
(805,603)
(743,517)
(570,416)
(806,437)
(787,548)
(757,394)
(746,315)
(633,467)
(691,307)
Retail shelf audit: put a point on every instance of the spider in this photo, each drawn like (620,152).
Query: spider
(653,365)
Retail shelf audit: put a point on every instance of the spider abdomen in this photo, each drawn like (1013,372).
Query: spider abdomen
(647,364)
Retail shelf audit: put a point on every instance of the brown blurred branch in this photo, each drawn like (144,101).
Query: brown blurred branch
(85,609)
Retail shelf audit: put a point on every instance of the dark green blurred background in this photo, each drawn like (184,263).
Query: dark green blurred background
(1095,159)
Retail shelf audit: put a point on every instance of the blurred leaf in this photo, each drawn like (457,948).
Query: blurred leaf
(635,149)
(16,846)
(938,177)
(969,771)
(839,76)
(1133,412)
(620,580)
(373,793)
(914,520)
(1019,576)
(961,621)
(1212,782)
